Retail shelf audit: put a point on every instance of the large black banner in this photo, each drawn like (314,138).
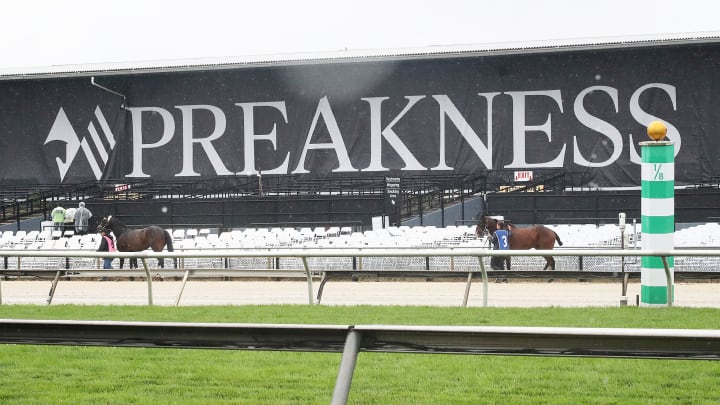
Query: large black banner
(581,110)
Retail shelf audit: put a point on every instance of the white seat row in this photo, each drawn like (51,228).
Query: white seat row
(403,236)
(44,240)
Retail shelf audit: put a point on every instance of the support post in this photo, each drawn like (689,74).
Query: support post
(309,280)
(182,287)
(485,281)
(623,294)
(53,286)
(467,288)
(347,368)
(657,209)
(149,281)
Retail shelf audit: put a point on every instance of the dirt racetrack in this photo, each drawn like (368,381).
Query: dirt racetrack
(509,294)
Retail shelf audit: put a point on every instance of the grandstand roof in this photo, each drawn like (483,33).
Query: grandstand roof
(445,51)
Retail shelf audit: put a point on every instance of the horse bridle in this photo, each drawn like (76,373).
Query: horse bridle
(483,223)
(104,223)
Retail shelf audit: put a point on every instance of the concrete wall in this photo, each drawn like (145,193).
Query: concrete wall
(453,214)
(32,224)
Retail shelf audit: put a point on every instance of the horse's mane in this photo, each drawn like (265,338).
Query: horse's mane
(485,218)
(117,226)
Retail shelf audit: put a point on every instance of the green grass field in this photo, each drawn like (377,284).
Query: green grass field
(97,375)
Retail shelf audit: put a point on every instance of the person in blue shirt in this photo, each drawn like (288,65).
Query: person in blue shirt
(500,241)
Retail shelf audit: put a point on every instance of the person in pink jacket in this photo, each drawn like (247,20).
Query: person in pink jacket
(107,244)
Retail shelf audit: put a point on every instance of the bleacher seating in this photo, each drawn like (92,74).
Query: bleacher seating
(178,234)
(573,236)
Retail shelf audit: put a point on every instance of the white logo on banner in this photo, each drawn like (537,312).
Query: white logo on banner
(63,131)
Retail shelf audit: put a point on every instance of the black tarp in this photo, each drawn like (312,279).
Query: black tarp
(583,111)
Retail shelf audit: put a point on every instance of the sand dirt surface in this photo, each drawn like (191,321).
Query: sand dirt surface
(198,292)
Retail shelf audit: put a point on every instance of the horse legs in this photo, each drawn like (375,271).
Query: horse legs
(133,263)
(550,263)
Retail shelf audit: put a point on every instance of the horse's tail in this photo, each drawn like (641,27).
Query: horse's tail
(169,244)
(168,240)
(557,238)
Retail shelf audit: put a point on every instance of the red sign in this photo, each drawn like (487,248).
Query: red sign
(525,175)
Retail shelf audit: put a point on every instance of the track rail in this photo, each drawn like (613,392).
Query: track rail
(688,344)
(305,253)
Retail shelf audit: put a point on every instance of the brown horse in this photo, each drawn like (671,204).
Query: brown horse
(137,240)
(533,237)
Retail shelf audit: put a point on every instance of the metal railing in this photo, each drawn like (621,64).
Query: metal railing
(304,253)
(689,344)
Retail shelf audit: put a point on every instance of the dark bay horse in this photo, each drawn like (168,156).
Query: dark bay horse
(137,240)
(532,237)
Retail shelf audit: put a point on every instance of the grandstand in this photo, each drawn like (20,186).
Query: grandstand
(405,137)
(187,239)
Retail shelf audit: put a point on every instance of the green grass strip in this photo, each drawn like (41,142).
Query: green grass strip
(107,375)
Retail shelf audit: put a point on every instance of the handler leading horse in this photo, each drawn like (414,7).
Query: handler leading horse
(137,240)
(533,237)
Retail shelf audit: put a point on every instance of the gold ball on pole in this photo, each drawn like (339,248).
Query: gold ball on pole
(657,131)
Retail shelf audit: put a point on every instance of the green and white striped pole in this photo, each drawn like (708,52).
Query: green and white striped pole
(657,209)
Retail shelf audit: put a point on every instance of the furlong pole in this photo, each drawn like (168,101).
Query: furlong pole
(657,210)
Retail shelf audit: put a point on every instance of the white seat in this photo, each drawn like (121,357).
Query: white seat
(202,242)
(306,233)
(7,238)
(319,232)
(187,244)
(31,237)
(283,239)
(89,242)
(178,234)
(212,238)
(48,244)
(74,243)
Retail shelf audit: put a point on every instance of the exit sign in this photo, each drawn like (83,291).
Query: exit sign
(525,175)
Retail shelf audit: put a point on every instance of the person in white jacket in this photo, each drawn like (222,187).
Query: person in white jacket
(82,219)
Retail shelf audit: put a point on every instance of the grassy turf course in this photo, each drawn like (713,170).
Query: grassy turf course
(91,375)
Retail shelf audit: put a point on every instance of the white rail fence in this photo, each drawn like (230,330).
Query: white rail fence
(306,255)
(591,262)
(686,344)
